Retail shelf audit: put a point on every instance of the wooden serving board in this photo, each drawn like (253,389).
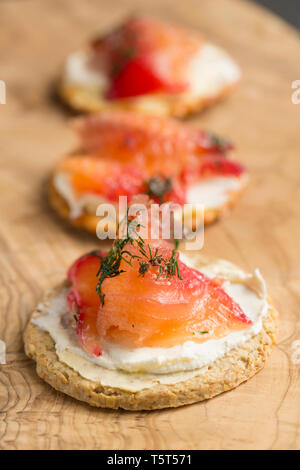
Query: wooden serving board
(262,231)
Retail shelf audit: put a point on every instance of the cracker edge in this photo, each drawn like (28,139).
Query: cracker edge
(222,375)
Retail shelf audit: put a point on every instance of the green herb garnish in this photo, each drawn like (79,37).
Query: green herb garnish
(128,52)
(200,332)
(158,186)
(110,265)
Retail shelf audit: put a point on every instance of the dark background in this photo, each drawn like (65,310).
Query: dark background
(287,9)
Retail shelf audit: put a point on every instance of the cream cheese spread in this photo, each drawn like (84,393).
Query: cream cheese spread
(142,367)
(210,193)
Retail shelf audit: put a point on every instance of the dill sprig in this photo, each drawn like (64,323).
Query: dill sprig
(110,265)
(222,144)
(158,186)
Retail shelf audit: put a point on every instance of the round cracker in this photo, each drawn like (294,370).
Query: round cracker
(89,221)
(222,375)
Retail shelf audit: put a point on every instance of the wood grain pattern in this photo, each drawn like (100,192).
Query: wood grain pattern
(263,230)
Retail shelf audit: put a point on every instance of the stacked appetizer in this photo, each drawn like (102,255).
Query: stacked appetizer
(122,153)
(148,66)
(147,327)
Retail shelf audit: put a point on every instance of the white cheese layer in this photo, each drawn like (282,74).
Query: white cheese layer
(210,193)
(87,202)
(208,73)
(79,71)
(248,290)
